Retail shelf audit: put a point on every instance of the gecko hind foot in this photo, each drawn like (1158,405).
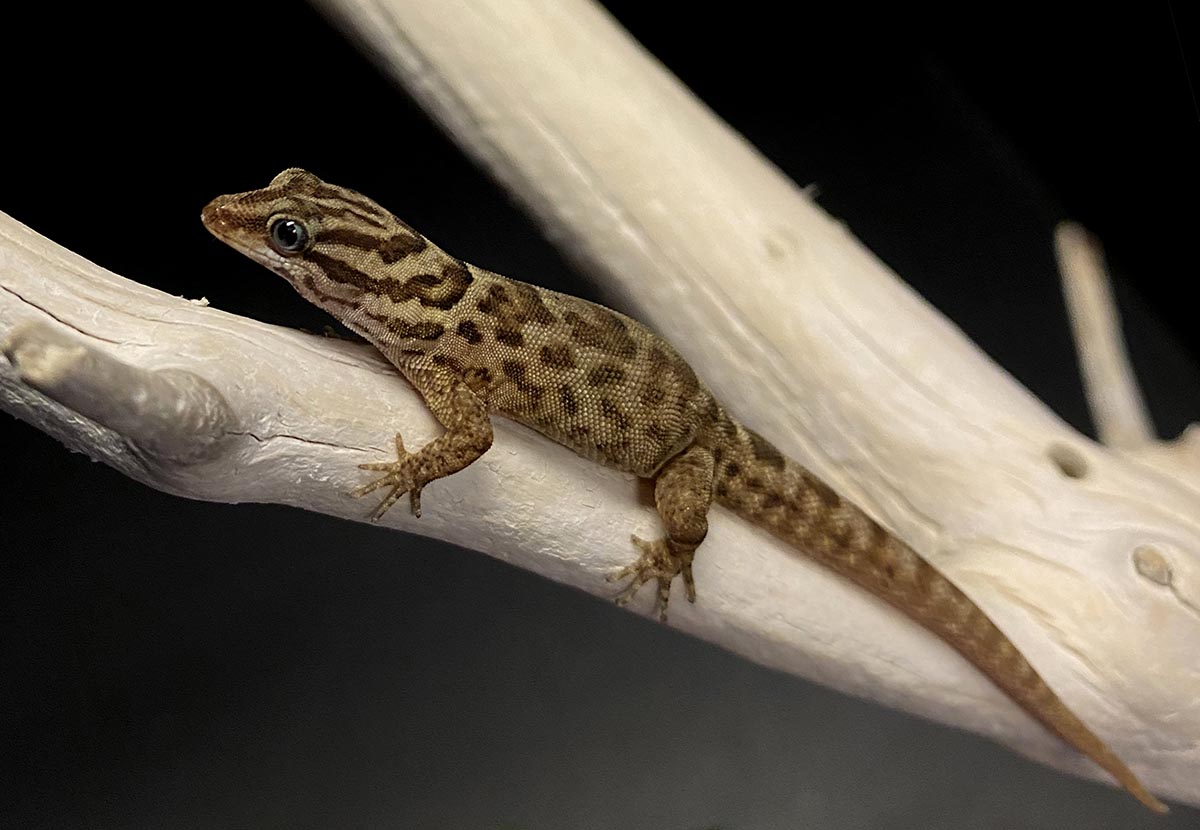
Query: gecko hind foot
(658,562)
(400,476)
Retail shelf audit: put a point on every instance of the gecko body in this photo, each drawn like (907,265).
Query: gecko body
(474,344)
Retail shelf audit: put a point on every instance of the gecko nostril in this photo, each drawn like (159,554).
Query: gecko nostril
(210,214)
(214,212)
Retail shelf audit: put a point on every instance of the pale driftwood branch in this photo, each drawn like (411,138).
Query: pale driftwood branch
(1118,409)
(1087,559)
(171,415)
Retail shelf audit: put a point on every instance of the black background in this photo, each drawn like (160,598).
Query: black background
(176,664)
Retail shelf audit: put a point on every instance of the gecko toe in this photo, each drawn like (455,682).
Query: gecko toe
(391,499)
(631,589)
(660,562)
(664,598)
(359,492)
(379,466)
(623,572)
(400,475)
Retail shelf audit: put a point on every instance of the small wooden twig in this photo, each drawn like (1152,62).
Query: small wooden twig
(1118,408)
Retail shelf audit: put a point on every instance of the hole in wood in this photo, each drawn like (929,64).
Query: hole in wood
(1070,461)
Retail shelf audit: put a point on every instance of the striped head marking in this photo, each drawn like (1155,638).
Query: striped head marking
(333,245)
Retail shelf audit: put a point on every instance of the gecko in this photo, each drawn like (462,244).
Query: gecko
(475,344)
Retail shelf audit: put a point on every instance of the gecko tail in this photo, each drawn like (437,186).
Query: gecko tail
(765,488)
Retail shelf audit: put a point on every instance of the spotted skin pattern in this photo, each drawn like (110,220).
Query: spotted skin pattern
(475,344)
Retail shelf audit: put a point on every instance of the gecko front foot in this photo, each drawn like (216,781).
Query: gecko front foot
(661,561)
(401,476)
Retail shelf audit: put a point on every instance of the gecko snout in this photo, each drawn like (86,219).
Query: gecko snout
(213,215)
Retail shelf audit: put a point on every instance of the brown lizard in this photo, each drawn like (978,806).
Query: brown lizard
(474,343)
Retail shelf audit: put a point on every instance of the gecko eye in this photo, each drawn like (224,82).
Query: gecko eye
(288,236)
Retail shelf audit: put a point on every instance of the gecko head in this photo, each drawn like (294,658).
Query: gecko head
(332,244)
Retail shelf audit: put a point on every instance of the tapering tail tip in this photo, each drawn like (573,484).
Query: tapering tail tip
(1123,774)
(771,491)
(1146,798)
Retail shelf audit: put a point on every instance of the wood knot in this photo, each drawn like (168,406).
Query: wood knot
(1150,563)
(1070,461)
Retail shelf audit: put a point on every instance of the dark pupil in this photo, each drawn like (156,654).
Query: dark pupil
(288,235)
